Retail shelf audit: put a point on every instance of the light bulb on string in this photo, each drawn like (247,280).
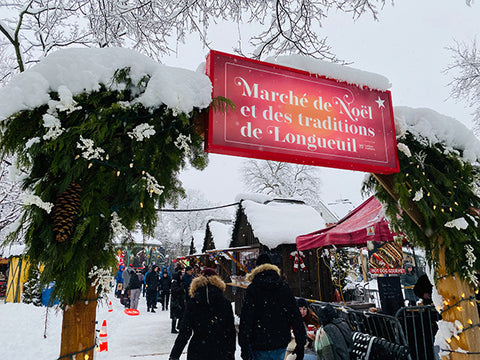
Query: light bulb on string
(118,173)
(90,165)
(131,165)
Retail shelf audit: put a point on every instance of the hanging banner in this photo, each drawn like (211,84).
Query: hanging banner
(385,257)
(289,115)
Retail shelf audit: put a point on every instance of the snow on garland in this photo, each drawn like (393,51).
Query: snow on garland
(89,151)
(418,195)
(460,224)
(142,131)
(102,279)
(152,185)
(404,149)
(30,199)
(183,143)
(54,127)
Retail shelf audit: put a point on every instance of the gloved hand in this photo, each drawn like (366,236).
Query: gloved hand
(299,351)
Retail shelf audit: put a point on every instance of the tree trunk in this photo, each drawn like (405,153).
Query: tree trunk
(452,289)
(78,327)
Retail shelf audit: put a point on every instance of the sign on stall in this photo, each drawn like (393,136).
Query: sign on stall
(285,114)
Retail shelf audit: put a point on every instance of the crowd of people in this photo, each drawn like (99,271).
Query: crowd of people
(273,324)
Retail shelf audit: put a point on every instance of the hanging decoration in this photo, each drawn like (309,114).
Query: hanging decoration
(298,262)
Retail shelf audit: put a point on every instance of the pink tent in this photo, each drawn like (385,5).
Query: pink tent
(365,223)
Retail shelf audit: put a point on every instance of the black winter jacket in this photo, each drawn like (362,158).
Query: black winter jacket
(269,311)
(134,282)
(165,283)
(151,280)
(177,298)
(209,317)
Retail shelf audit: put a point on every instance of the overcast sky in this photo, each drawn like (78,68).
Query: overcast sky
(407,45)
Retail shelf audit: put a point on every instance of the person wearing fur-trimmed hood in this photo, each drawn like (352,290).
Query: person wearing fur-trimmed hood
(209,317)
(268,313)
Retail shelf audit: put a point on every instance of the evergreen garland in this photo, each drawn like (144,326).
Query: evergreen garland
(443,187)
(124,157)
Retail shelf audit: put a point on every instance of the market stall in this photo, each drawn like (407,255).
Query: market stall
(364,227)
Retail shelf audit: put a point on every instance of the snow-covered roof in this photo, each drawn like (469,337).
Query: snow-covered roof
(7,251)
(83,69)
(334,71)
(198,239)
(280,222)
(221,234)
(257,197)
(437,128)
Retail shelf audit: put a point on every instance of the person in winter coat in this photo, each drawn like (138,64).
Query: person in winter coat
(309,320)
(187,278)
(164,288)
(119,280)
(134,286)
(409,279)
(338,331)
(126,275)
(209,317)
(177,301)
(268,313)
(151,284)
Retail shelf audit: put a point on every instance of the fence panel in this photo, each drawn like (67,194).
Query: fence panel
(419,324)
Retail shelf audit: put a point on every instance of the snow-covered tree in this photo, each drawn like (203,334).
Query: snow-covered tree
(466,77)
(10,204)
(179,224)
(32,28)
(283,180)
(32,289)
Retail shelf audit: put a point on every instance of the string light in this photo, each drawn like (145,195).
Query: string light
(90,165)
(118,173)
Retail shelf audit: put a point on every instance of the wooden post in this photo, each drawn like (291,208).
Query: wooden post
(450,287)
(453,290)
(78,327)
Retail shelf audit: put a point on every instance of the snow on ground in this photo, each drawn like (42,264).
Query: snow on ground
(146,336)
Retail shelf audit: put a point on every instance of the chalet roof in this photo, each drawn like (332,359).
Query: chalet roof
(280,221)
(221,232)
(198,239)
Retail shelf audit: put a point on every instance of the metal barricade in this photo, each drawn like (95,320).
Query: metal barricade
(419,324)
(385,333)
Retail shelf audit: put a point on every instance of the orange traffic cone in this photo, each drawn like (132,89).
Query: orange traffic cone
(103,346)
(110,307)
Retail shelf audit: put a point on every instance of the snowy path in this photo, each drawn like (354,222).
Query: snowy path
(146,336)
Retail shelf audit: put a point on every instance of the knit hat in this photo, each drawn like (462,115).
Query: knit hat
(301,302)
(408,265)
(326,314)
(208,272)
(263,258)
(188,268)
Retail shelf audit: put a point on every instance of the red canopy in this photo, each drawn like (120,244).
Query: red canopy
(365,223)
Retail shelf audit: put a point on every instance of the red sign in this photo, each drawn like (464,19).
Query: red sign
(289,115)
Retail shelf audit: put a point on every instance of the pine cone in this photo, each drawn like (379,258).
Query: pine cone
(65,212)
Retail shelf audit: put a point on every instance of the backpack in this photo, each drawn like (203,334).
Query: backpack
(323,345)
